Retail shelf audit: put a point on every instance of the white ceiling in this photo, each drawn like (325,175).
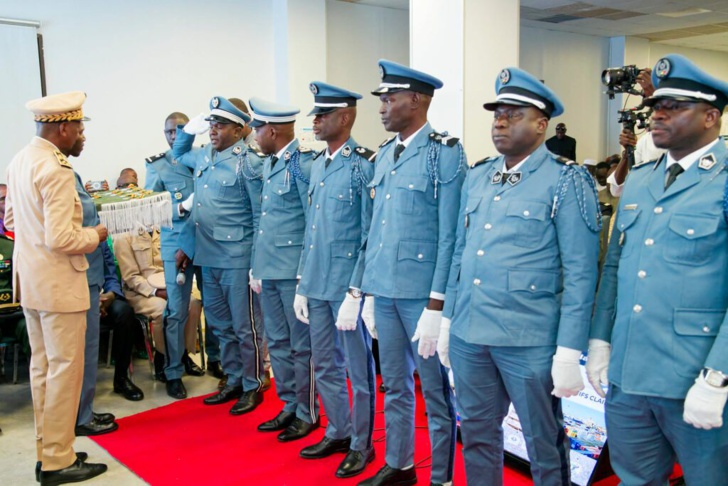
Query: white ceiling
(613,18)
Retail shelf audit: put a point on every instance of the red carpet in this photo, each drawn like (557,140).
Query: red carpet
(191,443)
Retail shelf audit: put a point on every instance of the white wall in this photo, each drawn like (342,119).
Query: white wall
(571,65)
(357,37)
(139,60)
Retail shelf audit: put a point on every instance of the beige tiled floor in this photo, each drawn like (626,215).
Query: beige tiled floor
(17,441)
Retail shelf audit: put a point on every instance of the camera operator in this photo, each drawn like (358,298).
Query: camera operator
(644,148)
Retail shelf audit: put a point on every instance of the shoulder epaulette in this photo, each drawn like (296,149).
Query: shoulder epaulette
(304,150)
(318,154)
(154,158)
(444,138)
(482,162)
(644,163)
(564,160)
(62,159)
(387,141)
(366,153)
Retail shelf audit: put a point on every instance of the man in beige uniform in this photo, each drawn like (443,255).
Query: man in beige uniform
(50,278)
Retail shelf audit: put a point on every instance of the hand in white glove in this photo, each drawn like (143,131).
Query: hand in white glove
(704,405)
(597,365)
(367,315)
(300,306)
(443,344)
(566,373)
(197,126)
(254,283)
(186,205)
(348,313)
(427,332)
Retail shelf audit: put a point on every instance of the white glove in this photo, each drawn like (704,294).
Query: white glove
(443,344)
(186,205)
(566,373)
(367,315)
(704,405)
(597,365)
(348,313)
(427,332)
(300,306)
(197,126)
(254,283)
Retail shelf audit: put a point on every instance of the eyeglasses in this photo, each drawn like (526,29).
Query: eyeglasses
(510,115)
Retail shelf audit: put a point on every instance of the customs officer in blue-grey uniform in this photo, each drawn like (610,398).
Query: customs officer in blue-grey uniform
(663,296)
(277,254)
(329,294)
(521,288)
(89,423)
(416,193)
(164,173)
(224,211)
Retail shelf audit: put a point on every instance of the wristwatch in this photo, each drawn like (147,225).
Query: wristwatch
(356,293)
(715,378)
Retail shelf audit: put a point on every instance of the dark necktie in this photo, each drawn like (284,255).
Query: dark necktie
(273,161)
(504,178)
(673,171)
(398,151)
(328,162)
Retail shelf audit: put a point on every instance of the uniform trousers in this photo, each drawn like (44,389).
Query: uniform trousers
(91,356)
(289,345)
(396,323)
(175,318)
(228,309)
(333,353)
(56,374)
(646,434)
(487,380)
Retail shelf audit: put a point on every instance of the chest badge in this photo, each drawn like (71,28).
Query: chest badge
(178,195)
(707,162)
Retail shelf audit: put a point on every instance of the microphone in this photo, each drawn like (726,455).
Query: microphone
(181,278)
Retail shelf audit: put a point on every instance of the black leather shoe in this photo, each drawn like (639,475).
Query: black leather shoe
(297,430)
(225,395)
(81,456)
(104,418)
(215,369)
(247,403)
(389,476)
(325,448)
(176,389)
(76,472)
(159,367)
(222,383)
(354,463)
(128,390)
(95,428)
(191,367)
(280,422)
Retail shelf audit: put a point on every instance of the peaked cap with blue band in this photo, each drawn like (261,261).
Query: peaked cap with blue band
(676,77)
(328,98)
(265,112)
(396,77)
(222,111)
(515,86)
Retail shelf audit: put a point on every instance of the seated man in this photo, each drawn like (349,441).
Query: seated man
(139,259)
(117,314)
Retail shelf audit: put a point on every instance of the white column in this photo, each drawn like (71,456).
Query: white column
(465,43)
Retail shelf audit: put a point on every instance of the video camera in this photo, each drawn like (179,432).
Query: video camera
(621,80)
